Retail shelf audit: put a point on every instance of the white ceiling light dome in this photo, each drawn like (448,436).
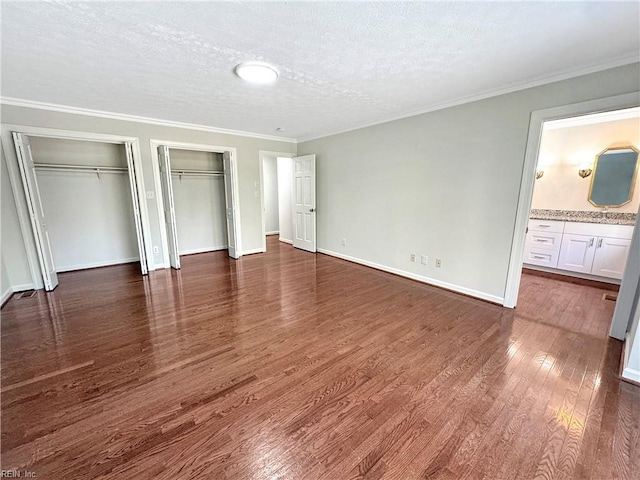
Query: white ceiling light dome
(256,72)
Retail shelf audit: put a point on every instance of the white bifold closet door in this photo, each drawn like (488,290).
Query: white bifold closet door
(232,233)
(136,208)
(304,202)
(36,211)
(169,207)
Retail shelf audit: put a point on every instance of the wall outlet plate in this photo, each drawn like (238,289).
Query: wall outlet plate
(413,257)
(344,242)
(438,263)
(424,260)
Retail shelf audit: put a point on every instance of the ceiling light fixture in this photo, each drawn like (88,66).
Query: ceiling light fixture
(256,72)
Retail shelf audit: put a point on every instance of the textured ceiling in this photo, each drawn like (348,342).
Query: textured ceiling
(341,64)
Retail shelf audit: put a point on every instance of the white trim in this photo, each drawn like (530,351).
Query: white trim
(527,180)
(284,240)
(255,250)
(82,266)
(54,107)
(627,60)
(6,295)
(631,374)
(261,156)
(194,251)
(619,62)
(276,232)
(154,143)
(420,278)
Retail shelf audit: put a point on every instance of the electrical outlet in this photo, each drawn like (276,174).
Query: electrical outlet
(424,260)
(413,257)
(156,249)
(438,263)
(344,242)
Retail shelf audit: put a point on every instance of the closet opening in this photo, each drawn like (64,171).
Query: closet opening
(83,202)
(199,200)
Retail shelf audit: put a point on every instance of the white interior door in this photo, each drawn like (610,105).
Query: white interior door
(229,198)
(304,202)
(136,208)
(169,207)
(36,211)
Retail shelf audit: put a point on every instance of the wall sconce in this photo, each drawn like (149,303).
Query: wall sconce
(539,174)
(584,172)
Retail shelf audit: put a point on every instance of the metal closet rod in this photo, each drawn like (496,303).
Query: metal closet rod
(197,172)
(79,168)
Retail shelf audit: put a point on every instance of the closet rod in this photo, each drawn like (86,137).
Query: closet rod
(197,172)
(79,168)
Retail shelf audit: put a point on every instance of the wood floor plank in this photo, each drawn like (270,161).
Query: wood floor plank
(300,366)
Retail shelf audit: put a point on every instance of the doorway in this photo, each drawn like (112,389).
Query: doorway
(288,199)
(199,196)
(83,203)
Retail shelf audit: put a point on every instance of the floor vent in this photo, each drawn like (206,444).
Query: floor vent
(27,294)
(610,296)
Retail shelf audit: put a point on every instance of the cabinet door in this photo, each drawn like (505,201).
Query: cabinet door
(576,253)
(611,257)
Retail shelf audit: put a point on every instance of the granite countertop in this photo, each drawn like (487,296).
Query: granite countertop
(611,218)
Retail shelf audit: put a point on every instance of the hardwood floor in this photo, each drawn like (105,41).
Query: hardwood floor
(290,365)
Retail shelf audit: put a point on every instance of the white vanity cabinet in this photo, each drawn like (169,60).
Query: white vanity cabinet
(585,248)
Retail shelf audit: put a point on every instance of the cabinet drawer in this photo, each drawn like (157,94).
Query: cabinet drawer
(546,226)
(541,257)
(546,240)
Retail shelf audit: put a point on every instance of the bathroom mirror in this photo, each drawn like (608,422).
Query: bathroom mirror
(614,175)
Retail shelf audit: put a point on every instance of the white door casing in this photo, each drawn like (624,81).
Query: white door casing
(169,207)
(229,198)
(36,211)
(304,202)
(136,208)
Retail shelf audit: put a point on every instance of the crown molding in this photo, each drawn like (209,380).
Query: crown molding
(618,62)
(53,107)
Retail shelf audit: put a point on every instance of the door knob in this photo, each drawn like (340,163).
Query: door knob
(312,210)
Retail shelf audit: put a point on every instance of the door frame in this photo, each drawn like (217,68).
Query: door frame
(19,194)
(198,147)
(527,181)
(261,155)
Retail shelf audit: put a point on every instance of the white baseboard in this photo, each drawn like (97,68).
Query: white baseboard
(284,240)
(275,232)
(203,250)
(419,278)
(160,266)
(23,288)
(255,250)
(83,266)
(631,374)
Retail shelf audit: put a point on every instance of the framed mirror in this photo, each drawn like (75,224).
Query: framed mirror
(614,175)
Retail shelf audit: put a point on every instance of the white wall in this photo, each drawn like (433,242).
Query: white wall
(90,218)
(199,202)
(270,185)
(562,150)
(248,172)
(285,175)
(443,184)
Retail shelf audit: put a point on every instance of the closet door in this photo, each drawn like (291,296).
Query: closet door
(169,208)
(136,208)
(36,211)
(229,194)
(304,202)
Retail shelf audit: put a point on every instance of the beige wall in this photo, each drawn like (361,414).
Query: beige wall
(562,150)
(443,184)
(248,172)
